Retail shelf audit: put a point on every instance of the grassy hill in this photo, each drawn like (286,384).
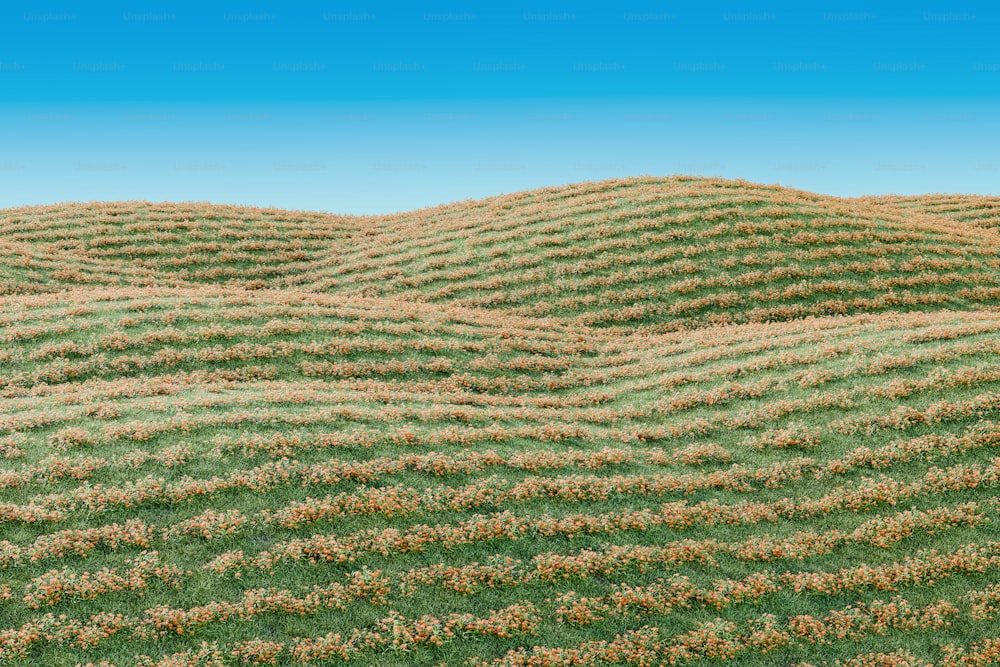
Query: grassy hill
(651,254)
(636,422)
(977,210)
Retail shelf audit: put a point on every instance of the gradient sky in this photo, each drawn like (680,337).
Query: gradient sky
(363,107)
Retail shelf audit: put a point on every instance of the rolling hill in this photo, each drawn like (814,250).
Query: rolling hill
(636,422)
(978,210)
(642,253)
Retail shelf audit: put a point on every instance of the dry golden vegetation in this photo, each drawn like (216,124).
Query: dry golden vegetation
(637,422)
(976,210)
(647,254)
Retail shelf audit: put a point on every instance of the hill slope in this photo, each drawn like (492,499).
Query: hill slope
(978,210)
(331,457)
(644,253)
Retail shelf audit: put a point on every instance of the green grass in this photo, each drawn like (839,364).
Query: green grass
(596,373)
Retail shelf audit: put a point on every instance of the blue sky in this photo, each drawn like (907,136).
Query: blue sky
(365,107)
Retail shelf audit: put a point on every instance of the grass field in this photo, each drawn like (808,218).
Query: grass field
(636,422)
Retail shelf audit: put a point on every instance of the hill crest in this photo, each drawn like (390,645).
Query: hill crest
(640,253)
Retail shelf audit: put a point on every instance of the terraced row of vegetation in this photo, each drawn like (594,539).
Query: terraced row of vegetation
(363,453)
(978,210)
(649,254)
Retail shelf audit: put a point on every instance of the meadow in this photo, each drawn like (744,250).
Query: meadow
(646,421)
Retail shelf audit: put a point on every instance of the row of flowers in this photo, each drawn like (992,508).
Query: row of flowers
(57,585)
(665,595)
(881,363)
(881,531)
(904,417)
(394,631)
(716,639)
(901,417)
(897,388)
(102,398)
(678,515)
(759,314)
(488,491)
(412,336)
(55,467)
(726,640)
(25,420)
